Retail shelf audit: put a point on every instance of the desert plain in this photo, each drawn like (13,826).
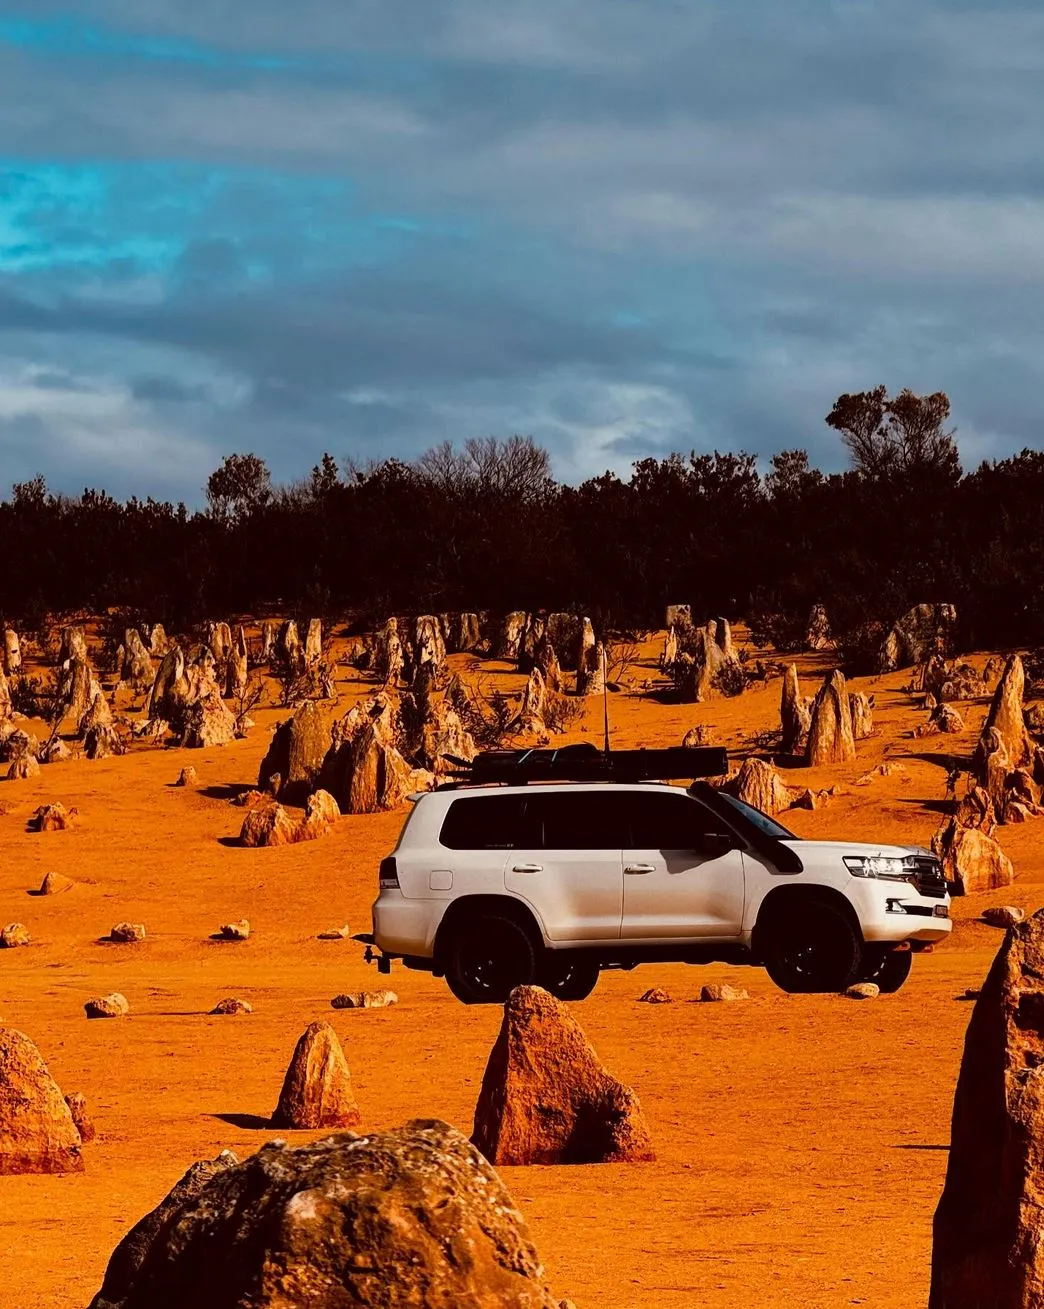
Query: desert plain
(801,1140)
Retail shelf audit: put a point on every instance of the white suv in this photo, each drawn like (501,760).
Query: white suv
(493,887)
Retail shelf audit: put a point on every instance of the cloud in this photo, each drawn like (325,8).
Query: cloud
(621,225)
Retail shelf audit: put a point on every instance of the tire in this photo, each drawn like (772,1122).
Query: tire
(487,957)
(813,948)
(888,969)
(568,977)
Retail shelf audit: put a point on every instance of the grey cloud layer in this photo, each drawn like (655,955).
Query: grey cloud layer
(686,224)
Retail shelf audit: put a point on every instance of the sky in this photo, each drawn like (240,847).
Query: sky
(623,227)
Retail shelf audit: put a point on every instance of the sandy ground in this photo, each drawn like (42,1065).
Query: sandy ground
(801,1140)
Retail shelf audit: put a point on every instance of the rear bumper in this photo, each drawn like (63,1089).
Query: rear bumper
(404,927)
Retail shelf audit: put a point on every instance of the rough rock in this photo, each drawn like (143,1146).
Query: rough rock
(971,859)
(51,818)
(127,933)
(530,718)
(55,884)
(13,935)
(54,751)
(299,746)
(107,1006)
(77,1103)
(428,647)
(590,673)
(1002,915)
(861,707)
(695,736)
(412,1217)
(655,995)
(37,1130)
(863,991)
(317,1089)
(925,630)
(830,736)
(758,784)
(545,1098)
(944,718)
(335,934)
(364,770)
(247,799)
(1005,719)
(313,646)
(23,768)
(136,668)
(671,649)
(443,734)
(15,744)
(165,699)
(795,714)
(98,712)
(678,616)
(509,639)
(708,657)
(817,632)
(269,637)
(73,646)
(718,991)
(364,1000)
(158,643)
(10,653)
(987,1249)
(237,931)
(6,707)
(208,722)
(550,667)
(388,657)
(237,666)
(187,777)
(103,742)
(232,1005)
(269,824)
(76,688)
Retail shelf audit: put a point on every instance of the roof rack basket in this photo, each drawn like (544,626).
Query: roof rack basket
(586,763)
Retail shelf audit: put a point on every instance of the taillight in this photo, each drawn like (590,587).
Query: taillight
(389,874)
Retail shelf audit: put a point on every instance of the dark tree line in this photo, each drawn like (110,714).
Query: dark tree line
(487,527)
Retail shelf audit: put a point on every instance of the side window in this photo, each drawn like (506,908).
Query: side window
(666,822)
(482,822)
(577,820)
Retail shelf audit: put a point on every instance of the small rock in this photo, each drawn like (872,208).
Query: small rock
(335,934)
(364,1000)
(232,1005)
(14,934)
(55,883)
(23,768)
(806,799)
(863,991)
(317,1089)
(84,1123)
(722,991)
(187,777)
(51,818)
(247,799)
(655,995)
(107,1006)
(238,931)
(126,933)
(1002,915)
(970,993)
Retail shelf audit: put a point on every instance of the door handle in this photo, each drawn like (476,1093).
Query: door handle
(635,870)
(528,868)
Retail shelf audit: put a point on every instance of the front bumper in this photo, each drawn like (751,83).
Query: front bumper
(892,911)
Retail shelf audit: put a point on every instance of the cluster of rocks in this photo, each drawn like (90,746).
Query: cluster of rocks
(1007,763)
(972,860)
(701,660)
(404,649)
(823,730)
(926,631)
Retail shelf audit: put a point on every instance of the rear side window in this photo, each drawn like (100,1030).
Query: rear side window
(577,820)
(483,822)
(666,822)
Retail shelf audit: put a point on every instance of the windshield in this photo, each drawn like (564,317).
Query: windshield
(761,821)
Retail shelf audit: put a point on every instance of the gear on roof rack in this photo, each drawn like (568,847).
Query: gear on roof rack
(586,763)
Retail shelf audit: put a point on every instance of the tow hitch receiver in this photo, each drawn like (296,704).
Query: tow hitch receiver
(383,962)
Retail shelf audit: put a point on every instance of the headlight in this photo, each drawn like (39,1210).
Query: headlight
(888,868)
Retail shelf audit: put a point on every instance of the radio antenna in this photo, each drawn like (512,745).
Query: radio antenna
(605,696)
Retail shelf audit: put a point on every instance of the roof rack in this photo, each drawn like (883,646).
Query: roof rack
(586,763)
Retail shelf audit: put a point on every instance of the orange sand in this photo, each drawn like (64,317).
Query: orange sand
(802,1140)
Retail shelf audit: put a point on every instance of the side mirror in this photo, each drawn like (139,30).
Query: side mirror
(716,844)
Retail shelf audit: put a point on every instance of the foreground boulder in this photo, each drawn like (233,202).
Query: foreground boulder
(51,818)
(987,1249)
(412,1217)
(37,1131)
(545,1098)
(317,1090)
(971,859)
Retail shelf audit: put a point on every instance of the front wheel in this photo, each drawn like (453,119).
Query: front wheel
(488,956)
(812,948)
(568,976)
(888,969)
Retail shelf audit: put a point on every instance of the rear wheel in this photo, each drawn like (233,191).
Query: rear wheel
(568,976)
(812,947)
(487,957)
(888,969)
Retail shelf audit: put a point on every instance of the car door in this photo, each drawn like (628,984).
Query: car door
(479,832)
(674,886)
(571,871)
